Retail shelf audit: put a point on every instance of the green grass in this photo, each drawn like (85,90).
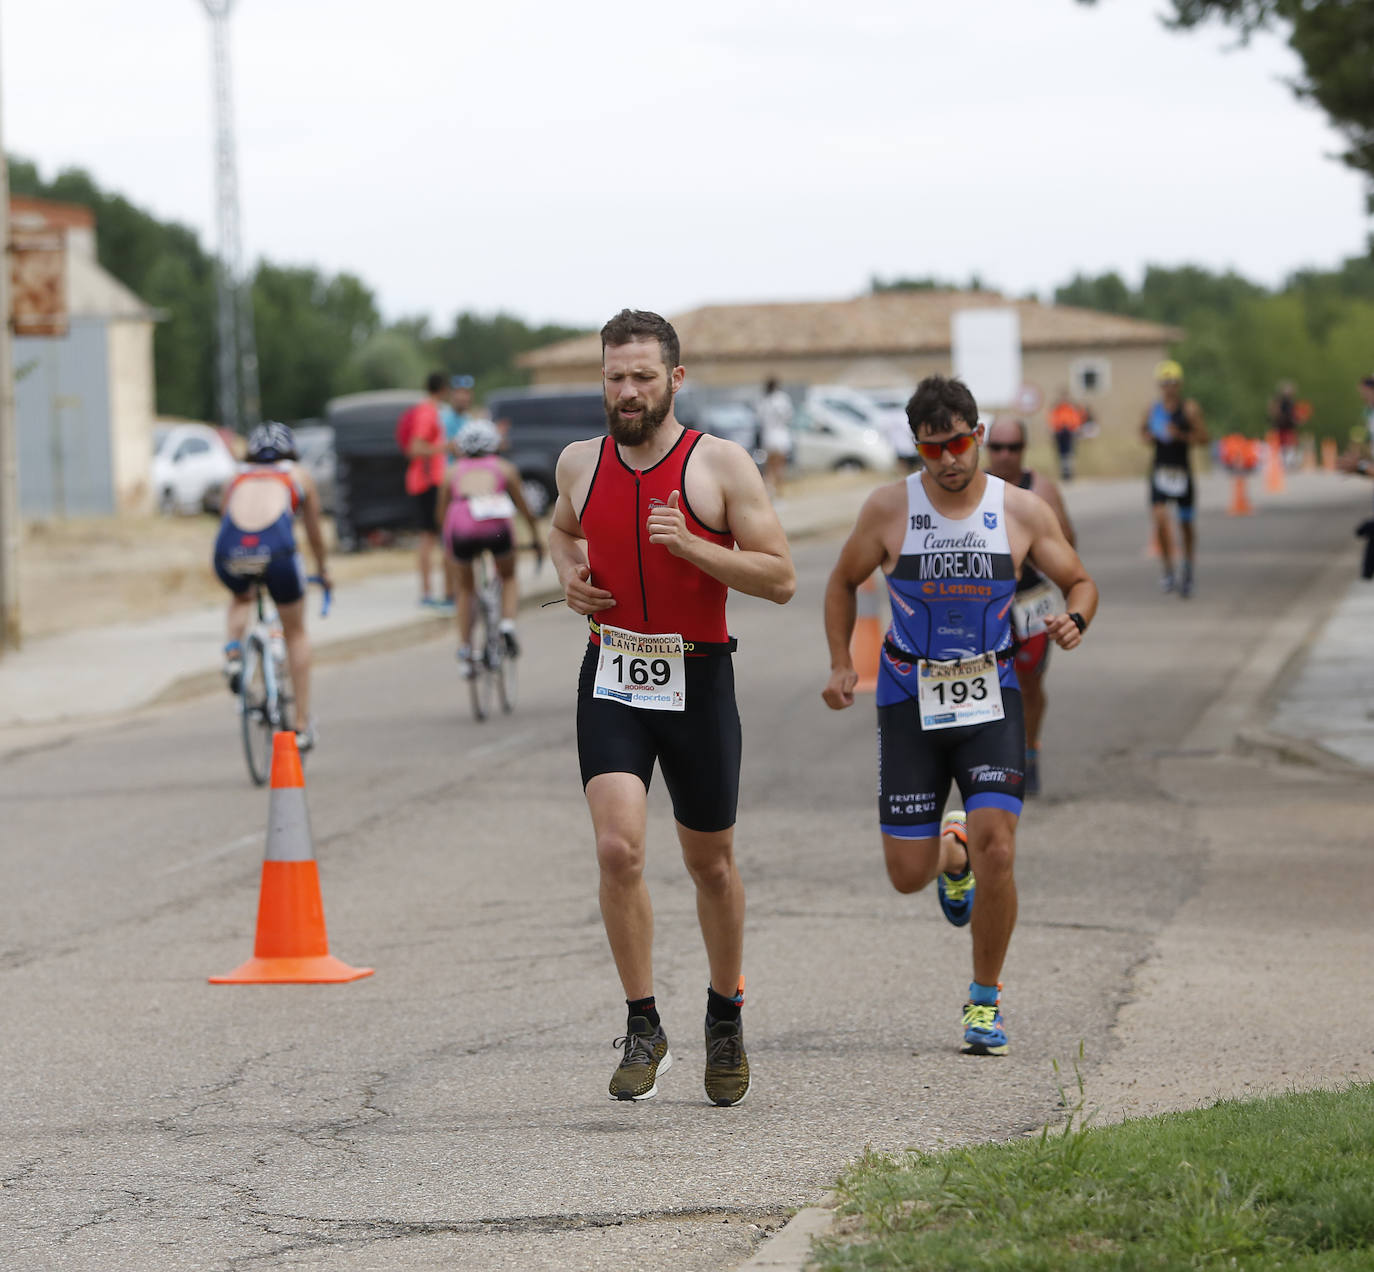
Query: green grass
(1256,1185)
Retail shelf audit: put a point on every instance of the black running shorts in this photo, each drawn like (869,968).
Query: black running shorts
(498,544)
(698,750)
(915,767)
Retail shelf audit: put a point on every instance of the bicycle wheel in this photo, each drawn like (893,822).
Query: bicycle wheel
(253,715)
(504,672)
(480,686)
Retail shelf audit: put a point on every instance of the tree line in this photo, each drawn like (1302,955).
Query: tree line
(317,335)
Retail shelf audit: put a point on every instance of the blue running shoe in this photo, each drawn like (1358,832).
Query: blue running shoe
(956,891)
(983,1031)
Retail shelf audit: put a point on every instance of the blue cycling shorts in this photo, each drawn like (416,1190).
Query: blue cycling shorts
(241,558)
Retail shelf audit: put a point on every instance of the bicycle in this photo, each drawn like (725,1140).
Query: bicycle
(264,689)
(493,666)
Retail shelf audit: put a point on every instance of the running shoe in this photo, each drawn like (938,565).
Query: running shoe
(1032,771)
(1166,582)
(1185,582)
(233,666)
(512,645)
(646,1056)
(467,669)
(983,1031)
(305,738)
(956,891)
(727,1067)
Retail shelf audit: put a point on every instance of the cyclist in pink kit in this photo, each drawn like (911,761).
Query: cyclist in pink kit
(477,505)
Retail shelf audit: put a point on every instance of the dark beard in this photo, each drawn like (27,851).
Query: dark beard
(637,432)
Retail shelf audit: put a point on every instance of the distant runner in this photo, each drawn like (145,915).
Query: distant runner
(1173,427)
(653,527)
(951,541)
(1035,598)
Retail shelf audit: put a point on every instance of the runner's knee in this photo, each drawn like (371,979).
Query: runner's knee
(619,857)
(992,852)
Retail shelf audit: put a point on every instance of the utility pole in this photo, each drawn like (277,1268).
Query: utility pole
(9,467)
(239,405)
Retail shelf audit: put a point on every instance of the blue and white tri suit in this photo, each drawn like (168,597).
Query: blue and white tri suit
(951,592)
(270,554)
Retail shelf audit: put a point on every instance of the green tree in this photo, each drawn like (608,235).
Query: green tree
(391,359)
(485,347)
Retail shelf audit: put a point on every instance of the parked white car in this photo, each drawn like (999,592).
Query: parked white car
(191,466)
(880,409)
(825,442)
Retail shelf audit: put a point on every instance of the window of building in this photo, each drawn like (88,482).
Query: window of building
(1089,376)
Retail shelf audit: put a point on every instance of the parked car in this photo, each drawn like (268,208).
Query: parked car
(315,445)
(823,443)
(191,466)
(538,423)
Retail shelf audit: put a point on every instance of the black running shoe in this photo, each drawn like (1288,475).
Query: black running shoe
(727,1067)
(646,1056)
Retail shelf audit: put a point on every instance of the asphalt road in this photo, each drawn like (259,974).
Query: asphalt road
(451,1111)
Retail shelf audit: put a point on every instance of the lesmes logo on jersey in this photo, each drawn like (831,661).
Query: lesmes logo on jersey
(990,520)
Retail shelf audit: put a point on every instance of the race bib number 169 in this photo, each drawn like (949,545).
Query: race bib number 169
(644,671)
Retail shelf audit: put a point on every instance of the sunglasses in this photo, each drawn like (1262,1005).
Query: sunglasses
(1006,446)
(956,445)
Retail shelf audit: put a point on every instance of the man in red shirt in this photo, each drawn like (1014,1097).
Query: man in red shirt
(654,525)
(420,435)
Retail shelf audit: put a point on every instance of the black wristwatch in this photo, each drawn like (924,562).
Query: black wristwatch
(1078,622)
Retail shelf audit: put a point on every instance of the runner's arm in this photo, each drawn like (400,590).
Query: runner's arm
(1197,426)
(1056,559)
(567,543)
(863,552)
(762,565)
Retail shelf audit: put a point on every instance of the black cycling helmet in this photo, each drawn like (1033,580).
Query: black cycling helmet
(271,442)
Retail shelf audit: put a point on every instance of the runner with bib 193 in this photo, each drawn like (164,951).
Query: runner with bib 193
(951,541)
(653,526)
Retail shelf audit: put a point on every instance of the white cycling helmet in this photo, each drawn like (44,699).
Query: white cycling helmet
(479,437)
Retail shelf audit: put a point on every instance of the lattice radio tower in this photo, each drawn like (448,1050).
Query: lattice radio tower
(239,405)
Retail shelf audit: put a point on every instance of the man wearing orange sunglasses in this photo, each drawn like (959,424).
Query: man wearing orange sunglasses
(951,541)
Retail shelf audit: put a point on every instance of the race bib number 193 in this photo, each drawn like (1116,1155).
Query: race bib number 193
(959,693)
(642,671)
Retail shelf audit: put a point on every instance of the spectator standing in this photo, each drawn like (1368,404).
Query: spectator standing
(1065,420)
(457,411)
(420,435)
(1283,419)
(775,434)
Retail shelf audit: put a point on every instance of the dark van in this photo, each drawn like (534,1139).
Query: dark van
(538,424)
(370,471)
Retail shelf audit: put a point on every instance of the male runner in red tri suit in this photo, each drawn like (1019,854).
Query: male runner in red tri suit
(653,526)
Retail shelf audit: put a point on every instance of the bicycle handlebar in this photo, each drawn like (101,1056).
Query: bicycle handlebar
(328,593)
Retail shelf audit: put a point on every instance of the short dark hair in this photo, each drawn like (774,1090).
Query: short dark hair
(771,384)
(630,325)
(436,382)
(936,402)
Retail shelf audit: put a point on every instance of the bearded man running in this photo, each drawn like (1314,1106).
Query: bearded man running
(653,526)
(1035,599)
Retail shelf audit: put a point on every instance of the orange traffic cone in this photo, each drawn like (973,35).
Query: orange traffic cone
(866,645)
(1240,499)
(291,945)
(1273,468)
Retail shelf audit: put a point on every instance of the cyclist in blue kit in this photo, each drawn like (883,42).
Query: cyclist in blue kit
(951,541)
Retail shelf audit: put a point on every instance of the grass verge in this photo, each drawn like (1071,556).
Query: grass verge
(1279,1183)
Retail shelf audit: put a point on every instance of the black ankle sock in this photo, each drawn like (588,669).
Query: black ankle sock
(719,1008)
(644,1007)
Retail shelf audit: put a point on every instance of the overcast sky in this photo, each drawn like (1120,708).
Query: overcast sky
(562,158)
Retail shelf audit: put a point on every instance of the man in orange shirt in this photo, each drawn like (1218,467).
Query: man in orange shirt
(420,435)
(1065,421)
